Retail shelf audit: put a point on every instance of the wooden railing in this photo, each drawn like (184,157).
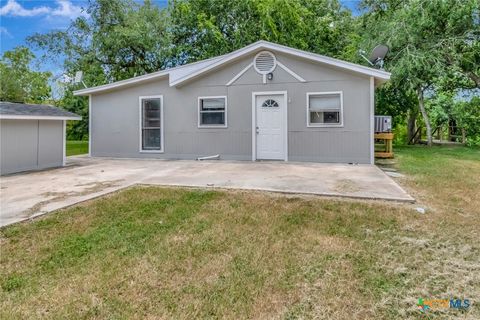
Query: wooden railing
(455,134)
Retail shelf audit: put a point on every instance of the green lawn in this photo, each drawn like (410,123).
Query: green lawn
(76,147)
(151,252)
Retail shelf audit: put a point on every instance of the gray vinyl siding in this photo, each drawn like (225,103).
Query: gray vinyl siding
(30,145)
(115,115)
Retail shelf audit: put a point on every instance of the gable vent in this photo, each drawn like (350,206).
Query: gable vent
(264,62)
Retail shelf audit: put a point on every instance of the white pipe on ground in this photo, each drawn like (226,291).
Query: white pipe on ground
(215,157)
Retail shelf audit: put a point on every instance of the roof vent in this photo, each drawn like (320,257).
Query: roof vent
(264,62)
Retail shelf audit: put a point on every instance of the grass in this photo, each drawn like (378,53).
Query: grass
(150,252)
(76,147)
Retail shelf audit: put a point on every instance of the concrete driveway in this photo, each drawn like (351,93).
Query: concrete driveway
(28,195)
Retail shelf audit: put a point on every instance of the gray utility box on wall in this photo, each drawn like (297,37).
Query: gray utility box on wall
(383,124)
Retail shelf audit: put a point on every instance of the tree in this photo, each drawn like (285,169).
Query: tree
(424,37)
(462,41)
(18,82)
(467,115)
(120,39)
(401,104)
(76,130)
(205,28)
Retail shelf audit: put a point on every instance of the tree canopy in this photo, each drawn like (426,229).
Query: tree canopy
(432,42)
(19,82)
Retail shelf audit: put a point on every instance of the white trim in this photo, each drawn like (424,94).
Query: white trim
(162,128)
(64,126)
(299,53)
(293,74)
(372,120)
(220,60)
(324,125)
(212,126)
(122,83)
(239,74)
(89,125)
(254,120)
(274,62)
(34,117)
(154,75)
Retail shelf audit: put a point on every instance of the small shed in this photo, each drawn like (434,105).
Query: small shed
(32,136)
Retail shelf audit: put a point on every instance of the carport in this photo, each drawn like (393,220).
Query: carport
(32,136)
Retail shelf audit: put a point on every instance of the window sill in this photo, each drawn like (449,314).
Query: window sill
(325,126)
(151,151)
(212,127)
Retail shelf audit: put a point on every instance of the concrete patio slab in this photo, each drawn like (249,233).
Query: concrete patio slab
(24,196)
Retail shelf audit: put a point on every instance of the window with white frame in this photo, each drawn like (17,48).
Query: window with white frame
(151,124)
(324,109)
(212,111)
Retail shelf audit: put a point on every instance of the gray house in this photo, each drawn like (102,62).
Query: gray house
(262,102)
(32,136)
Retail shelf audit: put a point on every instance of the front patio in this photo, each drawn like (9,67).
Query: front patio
(27,195)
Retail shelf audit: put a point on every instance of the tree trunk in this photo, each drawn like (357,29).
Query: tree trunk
(421,106)
(411,124)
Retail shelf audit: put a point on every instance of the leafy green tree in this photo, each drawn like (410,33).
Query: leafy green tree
(205,28)
(399,103)
(18,82)
(120,39)
(440,107)
(76,130)
(425,38)
(467,115)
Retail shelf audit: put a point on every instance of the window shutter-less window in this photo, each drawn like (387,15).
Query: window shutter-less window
(212,112)
(324,109)
(151,124)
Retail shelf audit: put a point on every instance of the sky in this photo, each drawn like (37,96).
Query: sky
(21,18)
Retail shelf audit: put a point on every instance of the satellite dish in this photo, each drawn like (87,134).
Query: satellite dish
(79,78)
(377,56)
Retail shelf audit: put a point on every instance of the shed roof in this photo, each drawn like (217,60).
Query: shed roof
(11,110)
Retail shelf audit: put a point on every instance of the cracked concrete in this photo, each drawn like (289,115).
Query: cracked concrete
(27,195)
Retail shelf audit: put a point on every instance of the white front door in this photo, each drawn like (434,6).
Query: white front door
(270,127)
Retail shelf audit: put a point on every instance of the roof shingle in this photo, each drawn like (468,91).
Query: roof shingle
(21,110)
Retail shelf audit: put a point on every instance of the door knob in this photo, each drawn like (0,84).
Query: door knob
(257,130)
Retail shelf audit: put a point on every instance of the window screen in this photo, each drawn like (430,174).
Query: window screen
(151,124)
(324,109)
(212,112)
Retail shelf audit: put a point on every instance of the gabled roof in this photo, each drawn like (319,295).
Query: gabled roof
(190,71)
(10,110)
